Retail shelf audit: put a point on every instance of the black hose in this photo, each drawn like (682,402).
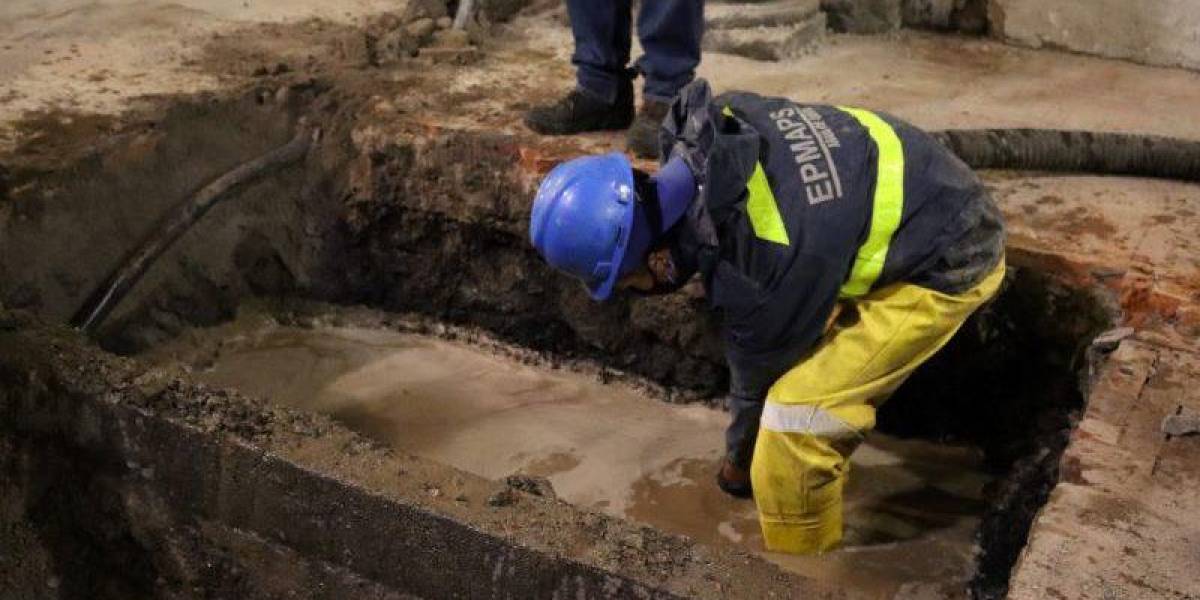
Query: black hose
(1075,151)
(177,222)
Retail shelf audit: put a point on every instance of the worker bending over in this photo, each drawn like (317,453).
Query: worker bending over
(843,248)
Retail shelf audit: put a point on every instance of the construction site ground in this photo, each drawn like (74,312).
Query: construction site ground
(94,92)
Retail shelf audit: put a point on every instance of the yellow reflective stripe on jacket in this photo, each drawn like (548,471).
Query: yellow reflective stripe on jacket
(887,206)
(760,204)
(762,209)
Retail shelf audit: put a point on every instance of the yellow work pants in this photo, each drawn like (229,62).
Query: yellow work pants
(818,412)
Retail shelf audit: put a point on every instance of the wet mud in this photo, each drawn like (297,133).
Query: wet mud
(913,507)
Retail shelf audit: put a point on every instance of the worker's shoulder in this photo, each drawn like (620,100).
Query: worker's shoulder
(795,117)
(754,105)
(747,99)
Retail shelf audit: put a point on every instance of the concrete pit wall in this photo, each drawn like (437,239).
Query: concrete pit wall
(125,484)
(1154,32)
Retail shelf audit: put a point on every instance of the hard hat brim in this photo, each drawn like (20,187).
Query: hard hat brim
(603,287)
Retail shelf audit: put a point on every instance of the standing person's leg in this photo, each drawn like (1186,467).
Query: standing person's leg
(603,98)
(817,413)
(670,32)
(603,34)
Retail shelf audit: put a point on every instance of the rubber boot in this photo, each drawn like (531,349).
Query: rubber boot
(580,111)
(642,138)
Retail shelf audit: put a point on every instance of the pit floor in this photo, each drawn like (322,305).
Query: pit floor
(912,506)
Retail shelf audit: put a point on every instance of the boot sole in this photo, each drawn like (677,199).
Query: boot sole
(546,129)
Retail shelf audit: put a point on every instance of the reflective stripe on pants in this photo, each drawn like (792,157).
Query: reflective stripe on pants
(817,413)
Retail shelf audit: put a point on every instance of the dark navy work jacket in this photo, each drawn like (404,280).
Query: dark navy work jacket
(820,163)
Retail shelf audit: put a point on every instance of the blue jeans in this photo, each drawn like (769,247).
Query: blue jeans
(670,33)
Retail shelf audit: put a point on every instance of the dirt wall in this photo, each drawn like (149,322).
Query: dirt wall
(131,483)
(76,204)
(441,226)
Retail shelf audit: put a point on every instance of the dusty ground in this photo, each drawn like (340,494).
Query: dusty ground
(98,57)
(1129,486)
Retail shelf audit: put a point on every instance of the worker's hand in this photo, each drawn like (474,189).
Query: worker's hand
(734,481)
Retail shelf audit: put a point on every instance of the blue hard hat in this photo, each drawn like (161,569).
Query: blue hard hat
(583,217)
(587,220)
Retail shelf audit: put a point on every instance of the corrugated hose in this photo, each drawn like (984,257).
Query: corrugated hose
(1075,151)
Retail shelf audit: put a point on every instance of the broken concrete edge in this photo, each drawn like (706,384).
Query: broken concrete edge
(758,14)
(1121,476)
(1152,32)
(768,31)
(1181,423)
(1152,305)
(305,483)
(769,43)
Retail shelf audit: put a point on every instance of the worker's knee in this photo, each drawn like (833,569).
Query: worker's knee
(798,481)
(796,473)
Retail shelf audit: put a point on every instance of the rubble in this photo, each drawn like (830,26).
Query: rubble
(531,484)
(425,9)
(1184,422)
(1109,340)
(771,31)
(863,16)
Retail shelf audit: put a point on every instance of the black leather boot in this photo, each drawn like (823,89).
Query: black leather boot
(579,111)
(642,138)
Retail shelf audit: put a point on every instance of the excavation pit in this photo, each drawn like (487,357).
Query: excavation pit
(940,499)
(603,447)
(212,469)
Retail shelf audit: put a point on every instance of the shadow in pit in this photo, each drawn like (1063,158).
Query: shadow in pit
(82,545)
(909,514)
(1010,382)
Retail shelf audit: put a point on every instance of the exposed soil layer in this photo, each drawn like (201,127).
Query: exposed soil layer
(113,192)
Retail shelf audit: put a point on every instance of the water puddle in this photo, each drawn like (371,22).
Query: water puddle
(912,506)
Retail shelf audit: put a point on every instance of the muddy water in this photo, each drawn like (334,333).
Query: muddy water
(911,511)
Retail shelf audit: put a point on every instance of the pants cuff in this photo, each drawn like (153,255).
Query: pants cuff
(661,91)
(603,95)
(815,533)
(658,97)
